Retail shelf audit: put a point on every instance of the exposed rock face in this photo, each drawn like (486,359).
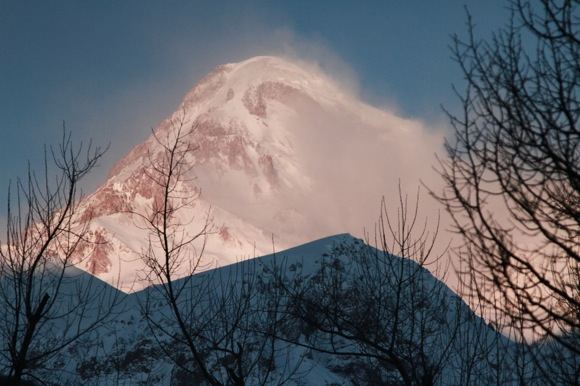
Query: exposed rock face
(98,259)
(256,98)
(106,201)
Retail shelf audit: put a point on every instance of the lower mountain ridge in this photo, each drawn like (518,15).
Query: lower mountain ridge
(335,311)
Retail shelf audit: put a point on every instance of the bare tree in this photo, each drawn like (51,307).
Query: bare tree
(235,322)
(172,249)
(45,303)
(513,170)
(220,326)
(380,307)
(475,349)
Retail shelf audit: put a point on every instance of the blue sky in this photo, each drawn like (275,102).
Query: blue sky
(114,69)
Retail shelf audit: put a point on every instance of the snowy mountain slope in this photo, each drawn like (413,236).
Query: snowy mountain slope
(281,150)
(126,351)
(74,304)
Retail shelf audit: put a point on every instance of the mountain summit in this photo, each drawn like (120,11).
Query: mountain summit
(284,155)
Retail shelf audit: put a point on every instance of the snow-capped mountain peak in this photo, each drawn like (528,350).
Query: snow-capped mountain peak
(282,152)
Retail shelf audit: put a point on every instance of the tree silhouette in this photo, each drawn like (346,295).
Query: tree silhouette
(220,328)
(45,303)
(512,175)
(380,306)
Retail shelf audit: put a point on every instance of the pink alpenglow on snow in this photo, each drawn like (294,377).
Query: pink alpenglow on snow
(283,152)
